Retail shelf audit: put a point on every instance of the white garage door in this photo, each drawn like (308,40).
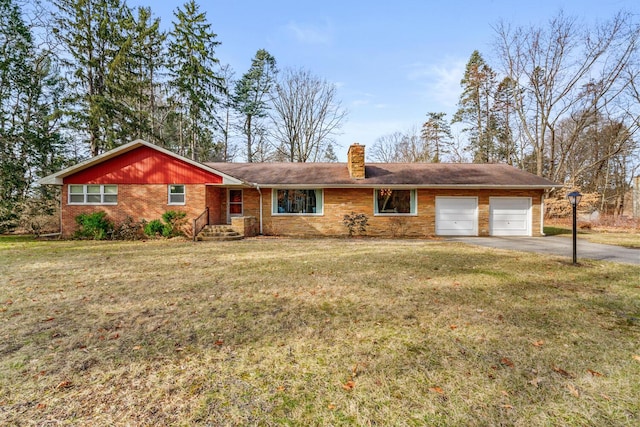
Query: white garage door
(510,216)
(457,216)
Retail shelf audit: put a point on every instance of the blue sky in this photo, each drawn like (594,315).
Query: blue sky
(392,61)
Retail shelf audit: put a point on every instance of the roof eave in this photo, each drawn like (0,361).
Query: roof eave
(414,186)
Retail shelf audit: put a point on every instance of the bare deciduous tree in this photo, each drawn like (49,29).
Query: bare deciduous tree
(552,66)
(306,115)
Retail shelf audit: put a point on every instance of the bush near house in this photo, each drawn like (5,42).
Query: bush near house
(94,226)
(170,226)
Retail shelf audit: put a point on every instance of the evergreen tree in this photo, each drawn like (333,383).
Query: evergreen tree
(436,133)
(194,82)
(94,33)
(252,94)
(503,111)
(30,145)
(474,108)
(146,63)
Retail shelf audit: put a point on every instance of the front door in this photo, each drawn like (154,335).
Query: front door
(235,203)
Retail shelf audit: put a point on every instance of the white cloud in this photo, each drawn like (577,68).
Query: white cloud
(310,33)
(441,81)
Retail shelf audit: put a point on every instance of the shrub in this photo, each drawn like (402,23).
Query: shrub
(94,226)
(129,230)
(153,228)
(173,222)
(170,226)
(355,222)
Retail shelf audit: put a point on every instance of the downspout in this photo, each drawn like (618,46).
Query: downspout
(542,214)
(61,206)
(259,192)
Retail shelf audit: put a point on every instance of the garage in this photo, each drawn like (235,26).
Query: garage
(457,216)
(510,216)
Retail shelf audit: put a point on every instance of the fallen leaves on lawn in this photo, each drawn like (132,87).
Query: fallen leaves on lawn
(594,373)
(535,381)
(64,384)
(507,362)
(635,356)
(573,390)
(562,372)
(349,385)
(436,390)
(538,343)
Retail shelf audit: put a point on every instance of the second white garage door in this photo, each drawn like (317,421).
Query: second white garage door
(510,216)
(457,216)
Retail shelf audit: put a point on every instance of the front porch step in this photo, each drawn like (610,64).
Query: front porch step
(218,233)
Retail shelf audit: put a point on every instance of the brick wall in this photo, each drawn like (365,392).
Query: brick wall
(355,161)
(139,202)
(338,202)
(150,202)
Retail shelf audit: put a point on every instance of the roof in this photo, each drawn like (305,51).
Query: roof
(58,177)
(424,175)
(314,175)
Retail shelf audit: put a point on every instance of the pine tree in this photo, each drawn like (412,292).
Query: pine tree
(436,133)
(503,111)
(474,108)
(147,53)
(252,94)
(94,34)
(30,144)
(194,82)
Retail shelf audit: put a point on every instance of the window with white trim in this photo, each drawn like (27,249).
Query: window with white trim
(93,194)
(235,202)
(177,195)
(390,201)
(297,202)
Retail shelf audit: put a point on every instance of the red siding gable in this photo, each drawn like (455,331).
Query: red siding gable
(143,165)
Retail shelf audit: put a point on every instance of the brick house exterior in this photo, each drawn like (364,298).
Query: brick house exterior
(142,181)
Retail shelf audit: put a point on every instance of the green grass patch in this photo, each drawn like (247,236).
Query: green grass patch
(314,332)
(554,231)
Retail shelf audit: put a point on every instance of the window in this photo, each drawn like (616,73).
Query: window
(395,202)
(93,194)
(297,202)
(176,194)
(235,202)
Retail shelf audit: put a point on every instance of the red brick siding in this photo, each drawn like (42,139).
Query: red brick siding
(139,202)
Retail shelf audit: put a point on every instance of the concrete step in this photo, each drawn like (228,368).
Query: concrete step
(219,233)
(218,238)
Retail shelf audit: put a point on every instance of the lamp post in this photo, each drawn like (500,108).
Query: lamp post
(574,198)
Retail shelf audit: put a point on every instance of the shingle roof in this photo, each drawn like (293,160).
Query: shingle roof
(379,174)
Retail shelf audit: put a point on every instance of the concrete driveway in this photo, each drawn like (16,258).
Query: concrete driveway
(556,245)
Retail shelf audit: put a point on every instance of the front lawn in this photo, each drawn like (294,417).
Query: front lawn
(314,332)
(627,239)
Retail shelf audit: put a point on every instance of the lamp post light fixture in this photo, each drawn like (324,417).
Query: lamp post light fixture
(574,198)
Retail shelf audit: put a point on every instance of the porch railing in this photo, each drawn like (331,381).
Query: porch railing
(200,222)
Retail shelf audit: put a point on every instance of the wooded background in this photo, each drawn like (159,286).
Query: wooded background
(80,77)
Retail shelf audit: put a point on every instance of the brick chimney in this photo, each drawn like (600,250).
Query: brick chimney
(355,161)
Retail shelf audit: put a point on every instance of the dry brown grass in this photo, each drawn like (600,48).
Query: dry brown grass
(314,332)
(626,234)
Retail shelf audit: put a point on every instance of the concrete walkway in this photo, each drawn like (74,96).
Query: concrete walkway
(556,245)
